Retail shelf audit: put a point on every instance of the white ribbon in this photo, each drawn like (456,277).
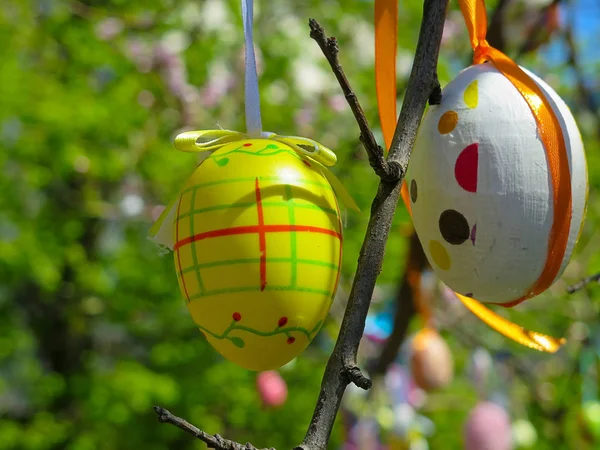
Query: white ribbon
(252,100)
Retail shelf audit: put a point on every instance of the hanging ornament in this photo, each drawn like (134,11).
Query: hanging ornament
(488,428)
(497,183)
(256,235)
(431,360)
(271,388)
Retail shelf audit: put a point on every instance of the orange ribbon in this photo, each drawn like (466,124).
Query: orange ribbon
(550,132)
(386,41)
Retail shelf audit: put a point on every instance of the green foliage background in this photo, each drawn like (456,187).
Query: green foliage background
(93,330)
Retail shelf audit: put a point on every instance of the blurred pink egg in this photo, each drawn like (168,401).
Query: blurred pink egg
(488,428)
(431,360)
(271,388)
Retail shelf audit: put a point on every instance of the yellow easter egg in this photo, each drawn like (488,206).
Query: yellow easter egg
(258,245)
(482,193)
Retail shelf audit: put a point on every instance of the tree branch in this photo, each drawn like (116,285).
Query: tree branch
(422,84)
(329,47)
(583,283)
(212,441)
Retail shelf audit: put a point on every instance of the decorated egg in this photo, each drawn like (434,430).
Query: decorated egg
(258,246)
(431,360)
(271,388)
(484,188)
(488,428)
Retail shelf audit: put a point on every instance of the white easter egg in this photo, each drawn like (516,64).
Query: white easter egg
(481,189)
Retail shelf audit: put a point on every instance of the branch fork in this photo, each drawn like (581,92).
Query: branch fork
(390,173)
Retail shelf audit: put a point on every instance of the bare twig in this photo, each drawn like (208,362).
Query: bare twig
(356,376)
(329,47)
(212,441)
(583,283)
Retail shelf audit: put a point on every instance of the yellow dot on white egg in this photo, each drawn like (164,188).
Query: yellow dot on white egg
(440,255)
(471,95)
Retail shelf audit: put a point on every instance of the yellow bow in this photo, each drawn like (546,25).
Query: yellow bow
(211,140)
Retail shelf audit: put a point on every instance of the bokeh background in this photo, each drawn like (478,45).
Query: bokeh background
(93,329)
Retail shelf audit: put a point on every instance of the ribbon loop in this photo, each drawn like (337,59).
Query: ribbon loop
(310,148)
(321,156)
(205,140)
(476,20)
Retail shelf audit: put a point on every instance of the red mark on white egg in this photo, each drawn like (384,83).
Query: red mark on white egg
(465,169)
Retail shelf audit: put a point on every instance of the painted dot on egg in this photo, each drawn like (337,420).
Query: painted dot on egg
(465,169)
(413,190)
(440,255)
(454,227)
(447,122)
(247,144)
(474,234)
(471,95)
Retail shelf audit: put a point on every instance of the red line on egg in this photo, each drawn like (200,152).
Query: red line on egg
(255,229)
(262,240)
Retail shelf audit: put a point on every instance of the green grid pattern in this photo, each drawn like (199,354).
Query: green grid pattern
(231,262)
(293,260)
(292,221)
(269,287)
